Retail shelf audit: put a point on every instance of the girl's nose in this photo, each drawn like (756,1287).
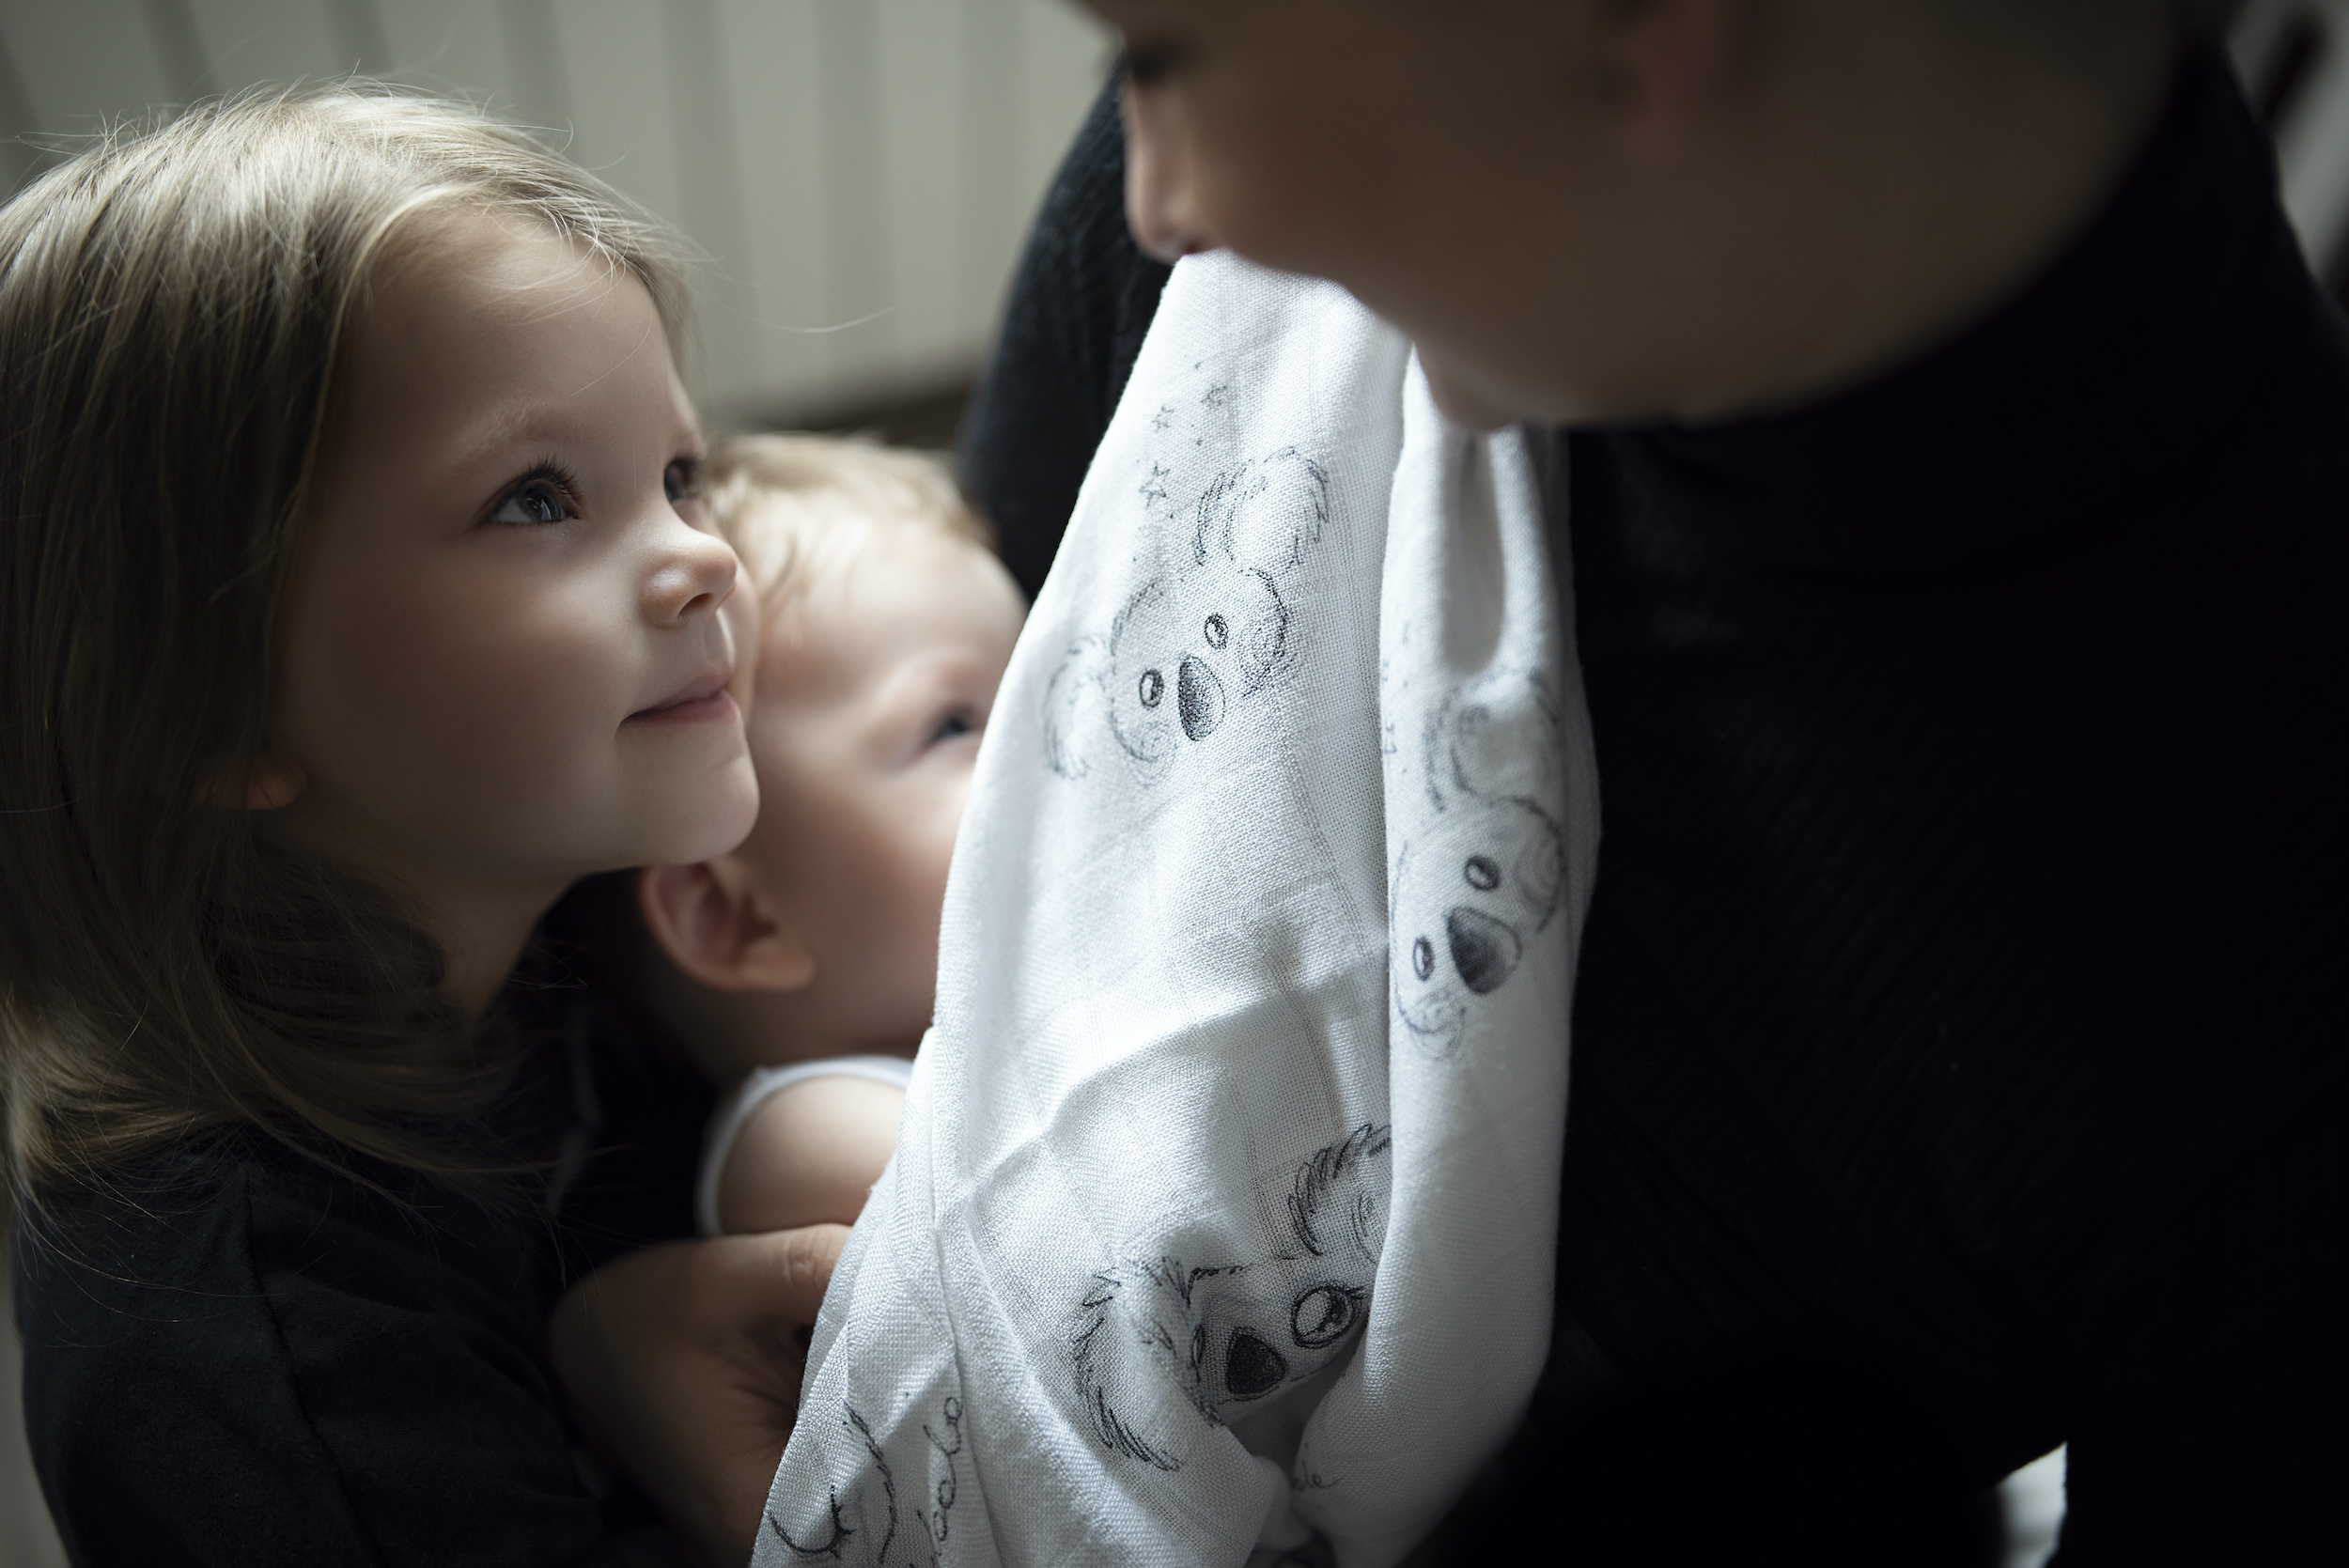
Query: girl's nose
(1160,206)
(695,574)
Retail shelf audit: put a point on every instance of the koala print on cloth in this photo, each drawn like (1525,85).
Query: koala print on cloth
(1230,1334)
(1485,871)
(873,1519)
(1194,644)
(1222,1225)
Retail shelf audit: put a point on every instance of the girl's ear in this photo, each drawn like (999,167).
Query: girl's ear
(272,782)
(715,926)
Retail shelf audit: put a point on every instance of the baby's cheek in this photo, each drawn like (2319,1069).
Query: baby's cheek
(908,861)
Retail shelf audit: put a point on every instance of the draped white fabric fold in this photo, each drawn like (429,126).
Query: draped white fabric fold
(1224,1204)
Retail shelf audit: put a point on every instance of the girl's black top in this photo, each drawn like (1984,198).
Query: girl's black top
(1958,1063)
(235,1356)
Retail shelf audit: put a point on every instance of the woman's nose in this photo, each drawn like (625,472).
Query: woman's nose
(696,573)
(1158,203)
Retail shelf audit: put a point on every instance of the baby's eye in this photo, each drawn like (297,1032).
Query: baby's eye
(681,479)
(542,498)
(955,724)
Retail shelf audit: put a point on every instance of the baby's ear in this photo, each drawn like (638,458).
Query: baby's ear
(711,921)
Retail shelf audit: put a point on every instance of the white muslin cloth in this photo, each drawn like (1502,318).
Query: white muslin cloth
(1224,1203)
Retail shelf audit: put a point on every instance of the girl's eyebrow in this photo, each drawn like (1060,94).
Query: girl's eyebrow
(520,422)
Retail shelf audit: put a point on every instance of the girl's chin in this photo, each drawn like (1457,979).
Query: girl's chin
(718,821)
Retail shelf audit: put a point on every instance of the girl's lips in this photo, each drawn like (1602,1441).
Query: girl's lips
(718,705)
(706,698)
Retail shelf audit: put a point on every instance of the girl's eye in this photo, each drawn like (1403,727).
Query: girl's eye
(681,480)
(954,724)
(542,498)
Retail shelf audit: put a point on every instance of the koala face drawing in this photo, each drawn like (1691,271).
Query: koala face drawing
(1195,642)
(1183,652)
(1487,870)
(1465,900)
(1227,1337)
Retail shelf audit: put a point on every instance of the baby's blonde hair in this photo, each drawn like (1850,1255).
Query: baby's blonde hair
(173,307)
(795,506)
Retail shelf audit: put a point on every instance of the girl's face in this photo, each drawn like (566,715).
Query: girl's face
(514,652)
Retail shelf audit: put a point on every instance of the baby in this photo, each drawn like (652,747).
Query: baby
(801,968)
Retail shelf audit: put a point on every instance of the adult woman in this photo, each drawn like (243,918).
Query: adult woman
(1956,453)
(1956,485)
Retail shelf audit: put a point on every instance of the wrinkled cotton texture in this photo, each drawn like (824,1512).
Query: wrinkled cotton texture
(1225,1202)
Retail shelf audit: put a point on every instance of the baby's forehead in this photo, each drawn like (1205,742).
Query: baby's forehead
(804,554)
(840,594)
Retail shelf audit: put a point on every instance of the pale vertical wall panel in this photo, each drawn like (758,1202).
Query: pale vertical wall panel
(860,269)
(251,41)
(536,72)
(772,69)
(1069,58)
(448,46)
(83,62)
(18,156)
(921,82)
(861,172)
(704,130)
(994,191)
(613,54)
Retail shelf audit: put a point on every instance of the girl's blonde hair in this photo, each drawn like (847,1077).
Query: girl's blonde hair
(174,304)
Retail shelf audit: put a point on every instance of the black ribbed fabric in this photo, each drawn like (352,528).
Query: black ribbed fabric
(1958,1067)
(1955,1065)
(1081,301)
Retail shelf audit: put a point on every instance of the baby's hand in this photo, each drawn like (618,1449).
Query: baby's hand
(809,1155)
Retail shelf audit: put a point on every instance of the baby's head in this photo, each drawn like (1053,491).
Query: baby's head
(888,624)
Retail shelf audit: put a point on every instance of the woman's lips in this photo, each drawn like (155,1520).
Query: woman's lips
(705,699)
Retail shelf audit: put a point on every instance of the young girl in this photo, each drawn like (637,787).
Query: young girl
(356,601)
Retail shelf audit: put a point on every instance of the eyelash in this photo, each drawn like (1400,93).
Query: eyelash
(679,481)
(549,475)
(953,726)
